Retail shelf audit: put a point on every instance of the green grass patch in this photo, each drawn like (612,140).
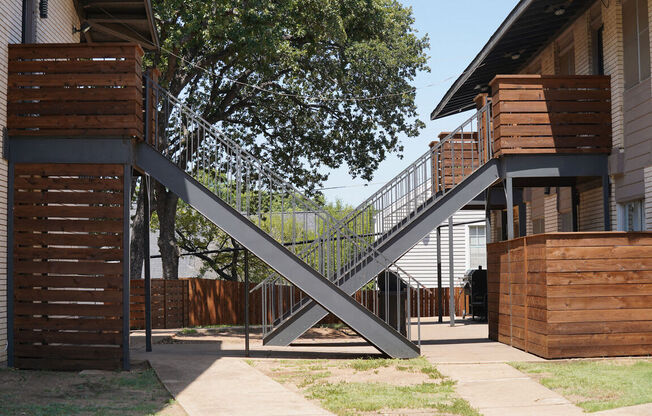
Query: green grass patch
(349,398)
(596,385)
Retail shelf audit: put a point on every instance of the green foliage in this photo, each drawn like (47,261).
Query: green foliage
(596,385)
(250,66)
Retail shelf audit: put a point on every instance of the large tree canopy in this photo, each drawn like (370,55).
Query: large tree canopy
(282,77)
(305,85)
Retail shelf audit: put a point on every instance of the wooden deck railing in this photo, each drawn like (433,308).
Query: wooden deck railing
(72,90)
(551,114)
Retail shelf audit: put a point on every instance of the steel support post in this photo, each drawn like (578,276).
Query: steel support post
(605,202)
(487,215)
(451,273)
(522,219)
(10,265)
(575,198)
(440,289)
(125,267)
(509,198)
(148,276)
(246,300)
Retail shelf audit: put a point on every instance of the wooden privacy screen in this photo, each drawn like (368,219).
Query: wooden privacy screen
(67,266)
(568,295)
(454,160)
(68,90)
(201,302)
(169,304)
(551,114)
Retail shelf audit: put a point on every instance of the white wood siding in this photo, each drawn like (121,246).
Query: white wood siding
(421,261)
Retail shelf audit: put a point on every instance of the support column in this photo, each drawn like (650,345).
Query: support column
(487,215)
(148,277)
(440,294)
(575,201)
(451,273)
(246,300)
(605,202)
(125,267)
(522,219)
(10,264)
(509,198)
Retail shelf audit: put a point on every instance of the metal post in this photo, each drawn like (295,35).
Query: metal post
(148,278)
(10,265)
(605,202)
(509,198)
(246,300)
(522,220)
(451,273)
(574,206)
(125,267)
(440,295)
(487,215)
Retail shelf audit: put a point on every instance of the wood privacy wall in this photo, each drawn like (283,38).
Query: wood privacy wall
(201,302)
(567,295)
(455,159)
(67,266)
(551,114)
(71,90)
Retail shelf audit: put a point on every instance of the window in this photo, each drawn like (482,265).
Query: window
(477,246)
(631,216)
(566,55)
(597,41)
(636,40)
(538,225)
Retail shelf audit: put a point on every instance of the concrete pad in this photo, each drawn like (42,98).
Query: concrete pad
(499,389)
(205,383)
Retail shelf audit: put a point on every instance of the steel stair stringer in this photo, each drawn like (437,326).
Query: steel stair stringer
(318,288)
(401,241)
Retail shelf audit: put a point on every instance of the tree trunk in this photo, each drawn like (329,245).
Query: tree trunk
(166,209)
(137,241)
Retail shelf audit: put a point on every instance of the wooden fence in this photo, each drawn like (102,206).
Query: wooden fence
(201,302)
(551,114)
(566,295)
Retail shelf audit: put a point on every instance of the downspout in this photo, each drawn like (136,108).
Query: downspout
(28,27)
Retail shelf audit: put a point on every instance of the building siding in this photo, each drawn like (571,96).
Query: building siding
(56,28)
(421,261)
(648,198)
(590,210)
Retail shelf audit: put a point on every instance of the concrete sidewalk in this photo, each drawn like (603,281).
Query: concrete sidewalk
(205,383)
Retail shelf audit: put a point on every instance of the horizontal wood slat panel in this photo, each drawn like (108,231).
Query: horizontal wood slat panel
(104,75)
(68,273)
(552,114)
(588,294)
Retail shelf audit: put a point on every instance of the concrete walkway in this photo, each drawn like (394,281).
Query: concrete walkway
(205,383)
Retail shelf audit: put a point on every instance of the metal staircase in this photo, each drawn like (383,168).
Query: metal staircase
(451,174)
(284,228)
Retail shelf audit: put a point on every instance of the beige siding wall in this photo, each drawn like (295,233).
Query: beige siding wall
(590,210)
(551,214)
(581,36)
(56,28)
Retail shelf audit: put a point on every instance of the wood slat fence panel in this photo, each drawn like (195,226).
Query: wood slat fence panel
(551,114)
(68,268)
(567,295)
(202,302)
(68,90)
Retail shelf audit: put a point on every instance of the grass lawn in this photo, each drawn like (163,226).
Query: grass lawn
(596,385)
(35,393)
(370,386)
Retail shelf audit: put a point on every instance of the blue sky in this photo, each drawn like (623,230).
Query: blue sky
(457,31)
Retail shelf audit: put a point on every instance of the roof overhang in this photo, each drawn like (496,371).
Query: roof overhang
(119,21)
(528,28)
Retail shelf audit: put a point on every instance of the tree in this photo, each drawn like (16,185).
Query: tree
(283,80)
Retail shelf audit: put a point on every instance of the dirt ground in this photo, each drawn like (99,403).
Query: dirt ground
(137,392)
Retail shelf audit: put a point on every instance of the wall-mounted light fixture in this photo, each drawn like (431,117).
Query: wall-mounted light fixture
(85,27)
(43,9)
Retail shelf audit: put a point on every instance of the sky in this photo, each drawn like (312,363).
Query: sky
(457,30)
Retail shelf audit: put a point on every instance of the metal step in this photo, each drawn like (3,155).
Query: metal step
(324,293)
(393,248)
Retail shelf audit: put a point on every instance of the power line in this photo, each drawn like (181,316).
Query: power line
(289,95)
